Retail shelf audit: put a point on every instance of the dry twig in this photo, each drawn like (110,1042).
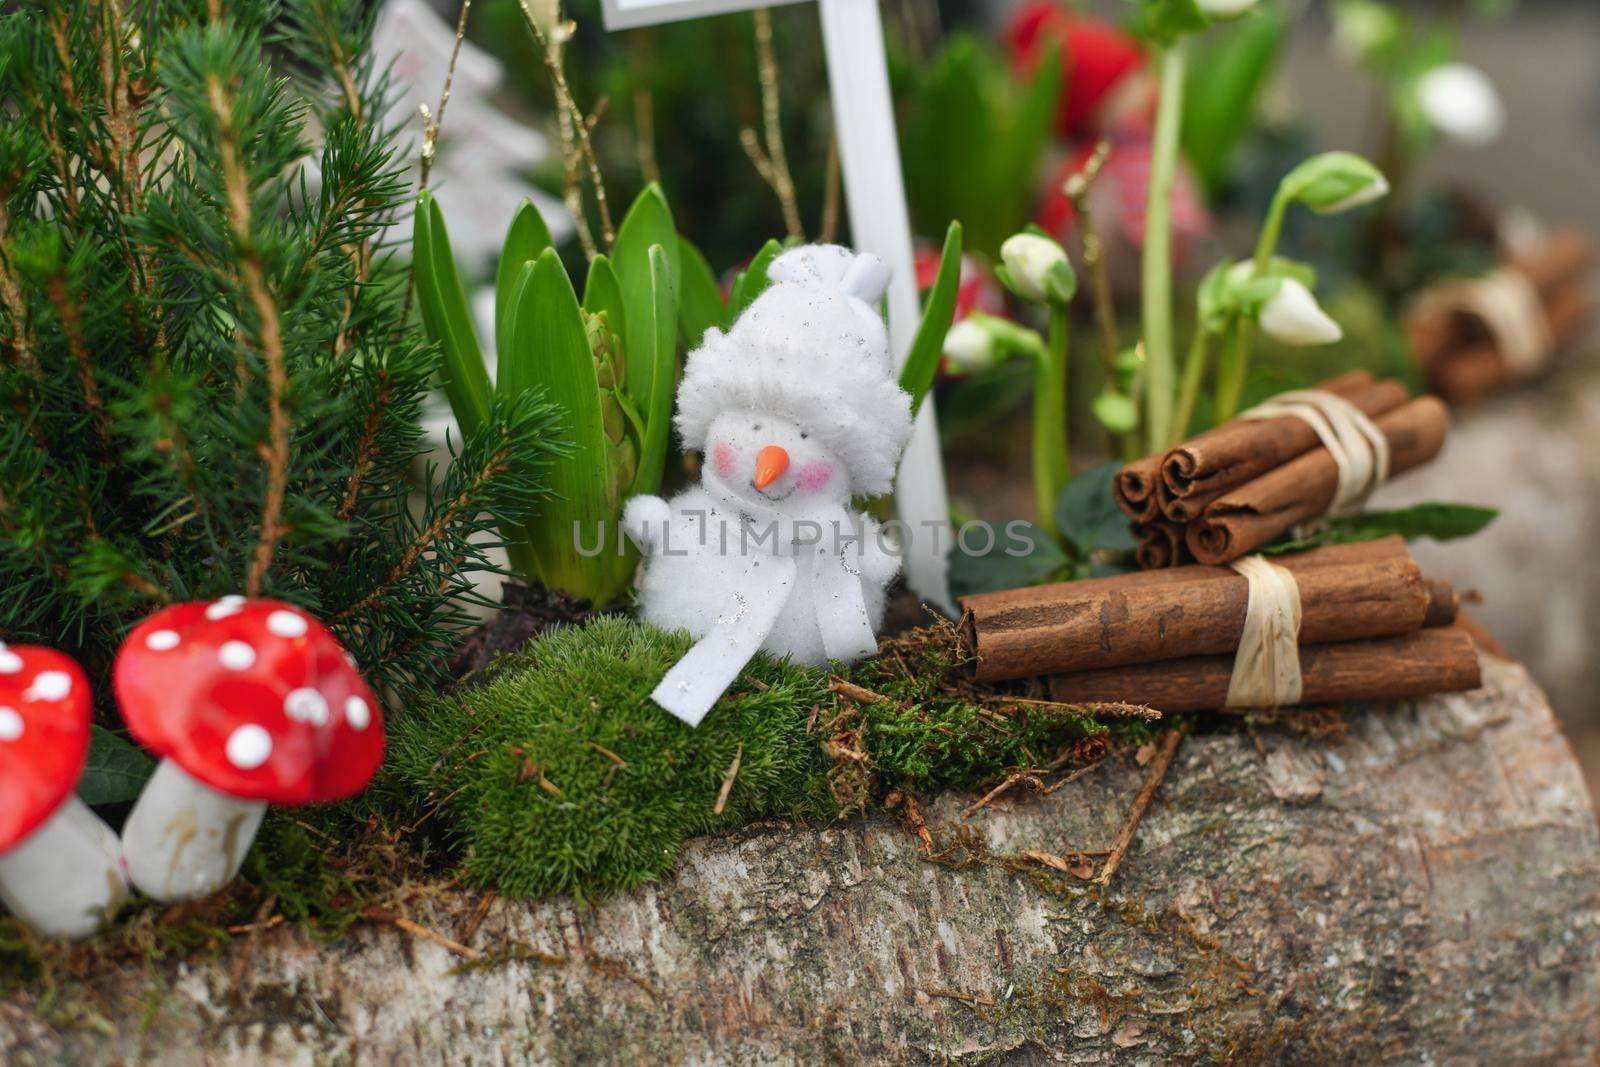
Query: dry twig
(770,159)
(1153,779)
(1077,189)
(727,781)
(416,929)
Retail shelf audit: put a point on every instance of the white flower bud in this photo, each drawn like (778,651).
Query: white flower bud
(1218,9)
(1461,102)
(1294,317)
(969,348)
(1029,259)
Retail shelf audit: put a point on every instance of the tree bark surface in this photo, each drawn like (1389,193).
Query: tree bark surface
(1423,891)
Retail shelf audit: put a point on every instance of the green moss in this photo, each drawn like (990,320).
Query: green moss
(559,775)
(934,728)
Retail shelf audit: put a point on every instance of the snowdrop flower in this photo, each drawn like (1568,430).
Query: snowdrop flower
(1036,268)
(1461,102)
(969,348)
(1221,9)
(1294,317)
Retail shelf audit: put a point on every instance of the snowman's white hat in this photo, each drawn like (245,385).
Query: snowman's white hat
(813,349)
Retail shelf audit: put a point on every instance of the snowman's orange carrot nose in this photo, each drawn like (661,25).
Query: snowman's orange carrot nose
(771,462)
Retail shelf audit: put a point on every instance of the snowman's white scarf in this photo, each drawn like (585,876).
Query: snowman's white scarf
(832,537)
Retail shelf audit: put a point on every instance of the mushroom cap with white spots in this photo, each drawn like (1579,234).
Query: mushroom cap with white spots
(45,703)
(255,698)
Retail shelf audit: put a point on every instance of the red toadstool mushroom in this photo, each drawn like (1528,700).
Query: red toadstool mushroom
(248,702)
(60,866)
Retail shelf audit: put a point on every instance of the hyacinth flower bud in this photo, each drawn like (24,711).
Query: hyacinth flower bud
(611,374)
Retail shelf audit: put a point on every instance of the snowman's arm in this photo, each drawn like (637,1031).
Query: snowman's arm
(645,520)
(879,563)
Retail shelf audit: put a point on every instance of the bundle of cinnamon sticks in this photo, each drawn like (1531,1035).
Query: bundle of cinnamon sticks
(1372,628)
(1227,492)
(1466,355)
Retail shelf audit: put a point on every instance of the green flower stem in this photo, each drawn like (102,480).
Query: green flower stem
(1051,462)
(1157,280)
(1271,230)
(1235,364)
(1194,366)
(1231,370)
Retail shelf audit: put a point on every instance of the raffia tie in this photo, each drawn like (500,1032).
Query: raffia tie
(1266,669)
(1508,304)
(1358,447)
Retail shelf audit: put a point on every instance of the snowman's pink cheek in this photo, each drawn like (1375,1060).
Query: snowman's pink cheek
(814,476)
(724,457)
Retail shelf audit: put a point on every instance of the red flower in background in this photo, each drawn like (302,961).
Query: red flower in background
(1096,58)
(1105,94)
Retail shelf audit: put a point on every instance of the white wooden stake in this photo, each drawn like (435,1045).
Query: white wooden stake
(874,192)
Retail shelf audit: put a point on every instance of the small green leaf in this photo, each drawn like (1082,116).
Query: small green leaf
(115,771)
(1061,283)
(1439,521)
(448,319)
(1116,412)
(922,363)
(1017,556)
(1087,512)
(700,304)
(753,280)
(526,241)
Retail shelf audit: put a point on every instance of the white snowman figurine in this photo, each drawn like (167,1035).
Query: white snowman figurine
(796,410)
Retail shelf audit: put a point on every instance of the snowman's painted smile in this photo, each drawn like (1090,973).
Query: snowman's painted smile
(775,499)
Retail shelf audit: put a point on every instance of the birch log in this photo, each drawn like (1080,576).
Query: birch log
(1422,892)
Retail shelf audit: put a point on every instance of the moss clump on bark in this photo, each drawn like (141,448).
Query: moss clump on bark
(560,775)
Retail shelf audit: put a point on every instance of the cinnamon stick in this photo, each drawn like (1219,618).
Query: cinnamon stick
(1444,605)
(1442,660)
(1456,348)
(1161,544)
(1237,451)
(1347,592)
(1470,371)
(1141,490)
(1243,519)
(1135,488)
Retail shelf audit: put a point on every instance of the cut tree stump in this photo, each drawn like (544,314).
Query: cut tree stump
(1425,890)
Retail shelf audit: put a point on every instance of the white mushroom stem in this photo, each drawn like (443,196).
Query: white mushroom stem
(66,876)
(185,840)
